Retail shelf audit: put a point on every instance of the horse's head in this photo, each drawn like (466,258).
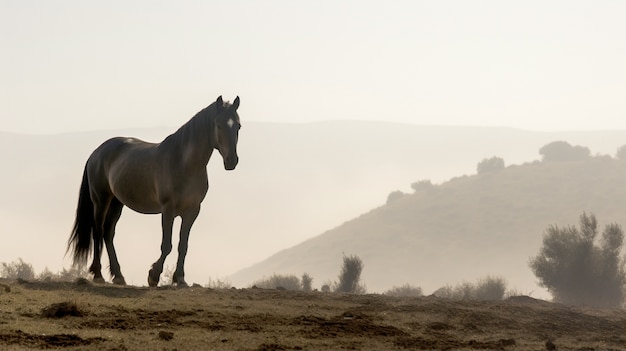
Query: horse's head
(226,129)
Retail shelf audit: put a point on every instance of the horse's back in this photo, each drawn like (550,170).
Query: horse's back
(124,168)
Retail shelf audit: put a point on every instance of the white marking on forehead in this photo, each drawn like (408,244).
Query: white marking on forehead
(230,122)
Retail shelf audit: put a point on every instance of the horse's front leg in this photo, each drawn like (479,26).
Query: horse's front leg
(187,221)
(167,221)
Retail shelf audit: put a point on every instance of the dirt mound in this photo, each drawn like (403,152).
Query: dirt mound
(62,309)
(20,338)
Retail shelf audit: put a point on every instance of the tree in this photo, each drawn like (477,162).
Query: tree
(576,271)
(394,195)
(558,151)
(490,165)
(621,153)
(350,276)
(421,185)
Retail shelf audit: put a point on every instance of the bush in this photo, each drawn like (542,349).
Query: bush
(287,282)
(559,151)
(490,288)
(17,270)
(350,276)
(486,289)
(405,290)
(490,165)
(576,271)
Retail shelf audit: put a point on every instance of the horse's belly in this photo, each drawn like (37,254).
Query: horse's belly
(136,192)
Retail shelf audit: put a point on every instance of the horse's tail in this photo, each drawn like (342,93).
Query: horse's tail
(80,239)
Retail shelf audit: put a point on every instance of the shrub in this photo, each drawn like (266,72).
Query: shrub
(488,165)
(17,270)
(350,276)
(490,288)
(576,271)
(287,282)
(405,290)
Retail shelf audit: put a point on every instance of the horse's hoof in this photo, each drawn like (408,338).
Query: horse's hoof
(119,281)
(98,280)
(182,285)
(152,282)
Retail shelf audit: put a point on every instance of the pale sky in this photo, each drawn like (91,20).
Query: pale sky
(541,65)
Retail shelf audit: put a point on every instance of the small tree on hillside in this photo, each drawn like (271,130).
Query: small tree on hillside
(307,282)
(558,151)
(350,276)
(488,165)
(394,195)
(576,271)
(621,153)
(422,185)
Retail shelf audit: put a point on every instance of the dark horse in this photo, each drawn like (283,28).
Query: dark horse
(168,178)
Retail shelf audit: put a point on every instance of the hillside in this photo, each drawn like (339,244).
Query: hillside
(293,182)
(463,229)
(82,316)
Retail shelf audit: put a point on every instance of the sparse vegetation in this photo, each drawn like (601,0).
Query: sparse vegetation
(486,289)
(406,290)
(219,284)
(576,271)
(279,281)
(17,270)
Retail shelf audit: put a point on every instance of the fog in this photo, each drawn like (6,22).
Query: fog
(293,182)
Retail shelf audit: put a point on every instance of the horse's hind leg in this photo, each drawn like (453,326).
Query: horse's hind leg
(100,211)
(113,215)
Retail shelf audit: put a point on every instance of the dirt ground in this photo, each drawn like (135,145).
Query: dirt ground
(83,316)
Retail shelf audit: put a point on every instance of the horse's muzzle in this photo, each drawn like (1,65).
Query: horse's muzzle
(231,162)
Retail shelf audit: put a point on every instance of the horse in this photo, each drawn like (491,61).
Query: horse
(169,178)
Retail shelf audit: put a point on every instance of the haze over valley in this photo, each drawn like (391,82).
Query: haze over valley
(300,184)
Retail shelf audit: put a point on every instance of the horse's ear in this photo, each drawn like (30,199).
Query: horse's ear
(219,104)
(235,104)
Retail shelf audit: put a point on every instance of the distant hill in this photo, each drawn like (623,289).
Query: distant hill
(293,182)
(463,229)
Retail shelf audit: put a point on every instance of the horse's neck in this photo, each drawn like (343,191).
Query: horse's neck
(192,144)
